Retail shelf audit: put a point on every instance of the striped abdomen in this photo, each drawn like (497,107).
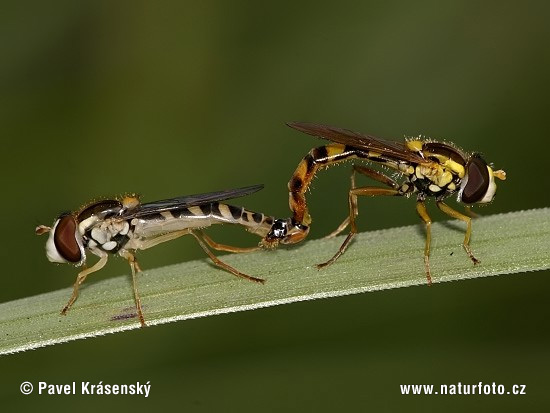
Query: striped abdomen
(201,216)
(317,158)
(255,222)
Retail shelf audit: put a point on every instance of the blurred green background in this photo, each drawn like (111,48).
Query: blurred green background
(170,98)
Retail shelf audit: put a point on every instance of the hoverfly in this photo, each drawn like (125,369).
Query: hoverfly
(430,169)
(123,226)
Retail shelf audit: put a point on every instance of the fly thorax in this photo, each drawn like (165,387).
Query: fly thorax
(109,236)
(405,168)
(434,181)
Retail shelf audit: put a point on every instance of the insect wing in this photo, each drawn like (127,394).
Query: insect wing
(395,150)
(188,201)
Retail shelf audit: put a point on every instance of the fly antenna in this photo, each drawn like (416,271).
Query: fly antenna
(500,174)
(42,229)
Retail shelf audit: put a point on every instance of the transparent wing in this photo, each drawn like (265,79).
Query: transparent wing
(188,201)
(393,149)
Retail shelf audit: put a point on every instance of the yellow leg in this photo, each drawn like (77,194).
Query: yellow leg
(203,240)
(80,279)
(135,269)
(134,266)
(346,221)
(162,238)
(421,209)
(222,264)
(222,247)
(457,215)
(338,230)
(371,173)
(353,212)
(377,176)
(470,213)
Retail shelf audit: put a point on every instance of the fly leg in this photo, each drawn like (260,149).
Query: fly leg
(222,264)
(81,277)
(338,230)
(421,209)
(223,247)
(346,221)
(377,176)
(167,237)
(134,266)
(135,269)
(160,239)
(470,213)
(457,215)
(352,201)
(371,173)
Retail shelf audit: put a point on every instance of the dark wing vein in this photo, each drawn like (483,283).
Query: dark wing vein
(188,201)
(393,149)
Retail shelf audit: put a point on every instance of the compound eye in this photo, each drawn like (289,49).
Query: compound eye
(478,180)
(65,239)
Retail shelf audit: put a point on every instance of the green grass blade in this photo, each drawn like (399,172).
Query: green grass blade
(505,244)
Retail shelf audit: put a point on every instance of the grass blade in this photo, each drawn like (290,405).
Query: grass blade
(505,243)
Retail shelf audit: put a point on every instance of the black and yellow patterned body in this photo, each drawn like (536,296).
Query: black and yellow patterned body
(428,168)
(432,169)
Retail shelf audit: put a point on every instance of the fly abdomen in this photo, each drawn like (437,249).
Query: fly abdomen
(299,183)
(318,158)
(202,216)
(254,222)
